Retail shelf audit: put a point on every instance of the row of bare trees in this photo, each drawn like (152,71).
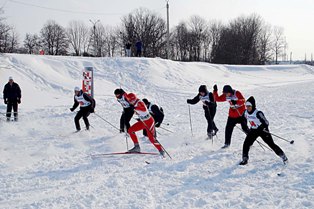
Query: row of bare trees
(244,40)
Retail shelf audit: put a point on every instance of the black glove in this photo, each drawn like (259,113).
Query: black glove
(92,110)
(189,101)
(215,88)
(234,102)
(5,101)
(72,109)
(18,100)
(157,125)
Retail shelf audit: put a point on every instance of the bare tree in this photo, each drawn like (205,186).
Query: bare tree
(31,43)
(54,39)
(264,48)
(78,37)
(215,34)
(278,42)
(148,27)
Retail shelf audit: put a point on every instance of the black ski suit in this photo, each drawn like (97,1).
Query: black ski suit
(259,127)
(84,110)
(158,115)
(209,106)
(12,97)
(127,113)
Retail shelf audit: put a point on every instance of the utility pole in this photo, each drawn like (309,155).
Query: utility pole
(94,35)
(290,57)
(168,34)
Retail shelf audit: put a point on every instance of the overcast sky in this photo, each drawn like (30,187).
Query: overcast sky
(295,16)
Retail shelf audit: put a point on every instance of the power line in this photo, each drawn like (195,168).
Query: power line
(63,10)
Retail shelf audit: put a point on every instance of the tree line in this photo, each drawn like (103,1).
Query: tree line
(243,40)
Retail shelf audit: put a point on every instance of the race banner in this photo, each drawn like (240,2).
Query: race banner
(88,81)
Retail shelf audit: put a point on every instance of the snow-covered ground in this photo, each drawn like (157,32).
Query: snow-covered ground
(44,165)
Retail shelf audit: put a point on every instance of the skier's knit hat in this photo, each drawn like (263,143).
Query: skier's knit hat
(227,89)
(145,101)
(77,88)
(202,88)
(251,102)
(119,91)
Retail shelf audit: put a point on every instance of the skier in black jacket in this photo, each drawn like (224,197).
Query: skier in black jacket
(209,106)
(12,97)
(156,112)
(128,110)
(87,106)
(259,127)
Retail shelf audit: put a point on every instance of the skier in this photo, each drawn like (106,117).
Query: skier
(12,97)
(146,122)
(236,110)
(87,106)
(156,112)
(209,106)
(259,127)
(128,110)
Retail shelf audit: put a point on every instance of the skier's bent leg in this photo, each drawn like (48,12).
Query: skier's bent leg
(134,128)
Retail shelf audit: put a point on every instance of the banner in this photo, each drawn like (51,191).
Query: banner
(88,81)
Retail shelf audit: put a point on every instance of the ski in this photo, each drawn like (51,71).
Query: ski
(123,153)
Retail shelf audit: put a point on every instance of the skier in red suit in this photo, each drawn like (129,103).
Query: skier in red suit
(236,110)
(145,121)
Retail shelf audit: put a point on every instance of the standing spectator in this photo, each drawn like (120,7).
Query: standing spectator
(128,49)
(139,48)
(12,97)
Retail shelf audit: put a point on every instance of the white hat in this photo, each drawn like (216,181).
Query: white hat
(10,78)
(248,104)
(77,88)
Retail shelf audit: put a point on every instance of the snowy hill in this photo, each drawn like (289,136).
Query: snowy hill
(44,165)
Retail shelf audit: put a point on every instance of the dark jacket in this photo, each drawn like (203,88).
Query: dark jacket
(12,92)
(207,102)
(87,98)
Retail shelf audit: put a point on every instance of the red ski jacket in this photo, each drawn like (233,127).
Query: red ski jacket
(236,110)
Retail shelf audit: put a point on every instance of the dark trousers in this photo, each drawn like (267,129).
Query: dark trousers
(210,115)
(231,123)
(125,118)
(267,138)
(12,104)
(83,112)
(138,53)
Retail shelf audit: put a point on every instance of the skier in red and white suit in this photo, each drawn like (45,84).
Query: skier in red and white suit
(146,122)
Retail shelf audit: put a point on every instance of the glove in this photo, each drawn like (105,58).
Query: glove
(72,109)
(234,102)
(5,101)
(18,100)
(92,110)
(189,101)
(157,125)
(215,88)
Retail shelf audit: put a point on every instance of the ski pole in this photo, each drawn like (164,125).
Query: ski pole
(166,129)
(190,120)
(107,121)
(291,142)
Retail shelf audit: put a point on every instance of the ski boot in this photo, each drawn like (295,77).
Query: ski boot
(162,153)
(284,159)
(244,161)
(225,146)
(136,148)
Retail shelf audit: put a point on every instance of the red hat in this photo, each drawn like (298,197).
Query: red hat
(131,97)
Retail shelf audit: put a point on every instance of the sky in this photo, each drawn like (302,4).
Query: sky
(295,16)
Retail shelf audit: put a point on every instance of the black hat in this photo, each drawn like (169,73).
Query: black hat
(118,91)
(227,89)
(145,101)
(251,102)
(202,88)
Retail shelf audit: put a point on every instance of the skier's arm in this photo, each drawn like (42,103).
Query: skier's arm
(241,100)
(5,92)
(221,98)
(19,95)
(90,99)
(194,100)
(263,119)
(75,105)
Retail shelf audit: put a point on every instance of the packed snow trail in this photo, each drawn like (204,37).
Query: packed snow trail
(44,165)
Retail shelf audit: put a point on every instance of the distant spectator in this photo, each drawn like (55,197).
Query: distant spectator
(128,49)
(12,97)
(139,48)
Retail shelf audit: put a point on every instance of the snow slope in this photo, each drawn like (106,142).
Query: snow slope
(44,165)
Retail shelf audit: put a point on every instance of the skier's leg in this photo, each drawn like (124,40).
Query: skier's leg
(127,117)
(77,120)
(209,121)
(249,140)
(134,128)
(9,109)
(231,122)
(122,121)
(150,128)
(268,139)
(15,105)
(86,113)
